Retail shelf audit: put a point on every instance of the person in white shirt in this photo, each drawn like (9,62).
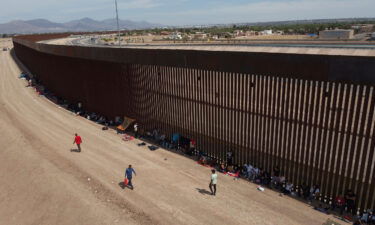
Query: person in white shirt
(136,130)
(289,186)
(213,182)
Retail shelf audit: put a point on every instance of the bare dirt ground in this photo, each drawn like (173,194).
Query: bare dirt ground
(214,46)
(43,183)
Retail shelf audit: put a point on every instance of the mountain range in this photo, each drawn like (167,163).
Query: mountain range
(85,24)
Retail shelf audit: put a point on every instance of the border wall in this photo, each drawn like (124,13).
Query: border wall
(313,115)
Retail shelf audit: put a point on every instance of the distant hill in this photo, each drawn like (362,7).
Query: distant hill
(85,24)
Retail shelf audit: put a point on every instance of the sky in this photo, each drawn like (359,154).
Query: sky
(186,12)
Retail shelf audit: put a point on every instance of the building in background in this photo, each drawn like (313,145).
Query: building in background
(175,36)
(363,28)
(266,32)
(251,33)
(200,36)
(165,33)
(336,34)
(239,33)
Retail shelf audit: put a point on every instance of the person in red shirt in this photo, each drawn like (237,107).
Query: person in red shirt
(78,141)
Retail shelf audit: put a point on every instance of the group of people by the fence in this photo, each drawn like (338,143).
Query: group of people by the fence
(272,179)
(76,108)
(344,205)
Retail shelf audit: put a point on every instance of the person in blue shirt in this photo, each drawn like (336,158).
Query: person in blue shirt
(129,175)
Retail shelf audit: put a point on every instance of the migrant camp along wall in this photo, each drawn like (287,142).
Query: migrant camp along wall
(311,115)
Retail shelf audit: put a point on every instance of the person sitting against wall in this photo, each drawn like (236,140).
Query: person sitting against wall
(117,121)
(203,160)
(249,171)
(168,142)
(155,135)
(64,103)
(255,173)
(259,176)
(266,178)
(162,140)
(305,191)
(276,172)
(175,140)
(230,169)
(79,109)
(230,157)
(314,192)
(350,201)
(101,120)
(222,168)
(237,169)
(185,147)
(92,116)
(136,130)
(252,172)
(148,135)
(191,147)
(30,83)
(280,182)
(339,203)
(97,118)
(287,189)
(244,171)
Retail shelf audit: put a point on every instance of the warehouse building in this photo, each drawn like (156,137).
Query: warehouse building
(336,34)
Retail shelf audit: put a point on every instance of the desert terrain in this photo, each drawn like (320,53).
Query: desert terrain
(42,182)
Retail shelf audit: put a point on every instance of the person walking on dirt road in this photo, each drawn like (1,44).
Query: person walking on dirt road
(129,175)
(78,141)
(213,182)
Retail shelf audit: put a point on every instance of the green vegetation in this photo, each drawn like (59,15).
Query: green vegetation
(5,35)
(106,39)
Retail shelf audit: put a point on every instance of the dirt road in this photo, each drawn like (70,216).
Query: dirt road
(43,182)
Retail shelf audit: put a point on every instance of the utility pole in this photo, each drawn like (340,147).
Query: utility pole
(118,25)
